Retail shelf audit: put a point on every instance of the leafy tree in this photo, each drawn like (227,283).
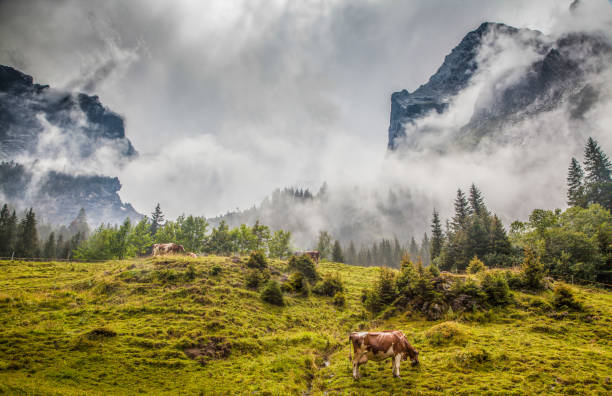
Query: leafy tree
(99,246)
(575,188)
(262,235)
(157,219)
(120,245)
(324,245)
(244,239)
(436,236)
(27,236)
(219,241)
(167,233)
(140,238)
(337,255)
(191,232)
(279,244)
(533,271)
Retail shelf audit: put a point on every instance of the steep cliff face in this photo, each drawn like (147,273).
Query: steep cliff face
(556,75)
(49,144)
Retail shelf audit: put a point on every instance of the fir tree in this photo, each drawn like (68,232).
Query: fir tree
(596,163)
(351,254)
(337,255)
(27,242)
(8,230)
(413,249)
(79,224)
(462,211)
(425,247)
(575,189)
(436,236)
(500,244)
(157,220)
(477,205)
(49,250)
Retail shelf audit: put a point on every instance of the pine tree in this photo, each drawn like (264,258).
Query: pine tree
(500,244)
(413,249)
(8,230)
(324,245)
(157,220)
(337,255)
(477,205)
(27,240)
(351,254)
(436,236)
(79,224)
(49,250)
(575,189)
(462,211)
(596,163)
(424,252)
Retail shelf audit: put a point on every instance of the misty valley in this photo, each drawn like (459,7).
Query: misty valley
(189,207)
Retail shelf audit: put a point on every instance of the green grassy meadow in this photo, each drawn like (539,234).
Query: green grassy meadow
(169,326)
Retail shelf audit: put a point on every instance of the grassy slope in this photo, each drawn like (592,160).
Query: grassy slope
(47,310)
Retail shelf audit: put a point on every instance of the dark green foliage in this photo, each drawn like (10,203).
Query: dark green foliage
(216,270)
(27,236)
(219,241)
(305,266)
(575,188)
(295,283)
(383,293)
(339,300)
(593,186)
(49,249)
(324,246)
(257,259)
(497,289)
(157,219)
(462,211)
(255,278)
(329,285)
(477,205)
(337,255)
(272,293)
(476,266)
(564,299)
(436,235)
(533,271)
(8,231)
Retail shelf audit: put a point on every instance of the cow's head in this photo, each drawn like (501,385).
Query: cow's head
(411,352)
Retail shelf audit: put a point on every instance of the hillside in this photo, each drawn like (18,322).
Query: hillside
(169,326)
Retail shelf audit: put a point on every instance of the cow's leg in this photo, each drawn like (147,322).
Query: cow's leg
(397,359)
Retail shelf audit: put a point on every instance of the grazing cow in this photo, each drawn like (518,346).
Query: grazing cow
(380,346)
(160,249)
(313,254)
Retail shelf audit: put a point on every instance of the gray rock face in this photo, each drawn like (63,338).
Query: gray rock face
(80,126)
(557,75)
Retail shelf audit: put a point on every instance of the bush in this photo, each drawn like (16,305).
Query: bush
(533,271)
(445,333)
(496,287)
(304,265)
(513,278)
(563,298)
(216,270)
(475,266)
(255,278)
(329,286)
(272,293)
(296,283)
(257,260)
(383,293)
(339,300)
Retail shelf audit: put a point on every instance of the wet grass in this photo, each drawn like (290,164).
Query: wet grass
(169,326)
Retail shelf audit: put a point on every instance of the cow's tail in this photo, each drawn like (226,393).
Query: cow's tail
(350,347)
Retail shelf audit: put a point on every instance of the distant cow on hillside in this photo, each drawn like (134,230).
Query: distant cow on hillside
(380,346)
(160,249)
(313,254)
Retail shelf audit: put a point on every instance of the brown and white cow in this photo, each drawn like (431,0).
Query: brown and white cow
(160,249)
(379,346)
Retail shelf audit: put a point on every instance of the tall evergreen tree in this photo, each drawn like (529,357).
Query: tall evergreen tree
(436,236)
(413,249)
(575,188)
(462,211)
(27,240)
(8,230)
(500,244)
(79,224)
(477,205)
(324,246)
(337,255)
(424,251)
(351,254)
(49,250)
(157,219)
(596,163)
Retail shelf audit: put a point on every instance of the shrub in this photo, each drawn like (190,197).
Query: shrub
(272,293)
(496,287)
(434,270)
(254,278)
(190,274)
(296,283)
(216,270)
(513,278)
(257,260)
(563,298)
(329,286)
(533,271)
(445,333)
(383,293)
(339,300)
(470,358)
(304,265)
(475,266)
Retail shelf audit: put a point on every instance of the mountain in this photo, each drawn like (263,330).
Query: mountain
(54,146)
(542,75)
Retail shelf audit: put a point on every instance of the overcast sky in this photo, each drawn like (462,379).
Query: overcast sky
(226,100)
